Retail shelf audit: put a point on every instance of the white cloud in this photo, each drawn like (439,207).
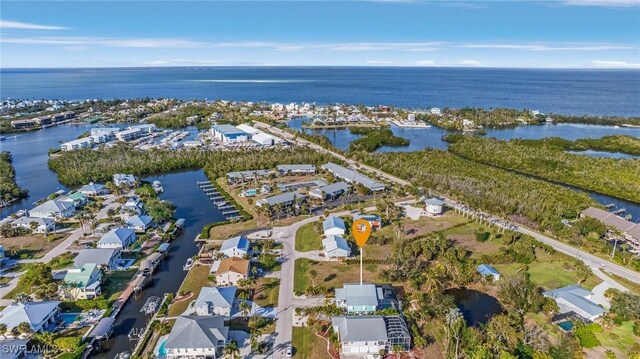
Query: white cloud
(610,3)
(17,25)
(468,63)
(615,64)
(557,47)
(105,42)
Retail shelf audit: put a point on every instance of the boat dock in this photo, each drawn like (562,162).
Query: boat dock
(230,211)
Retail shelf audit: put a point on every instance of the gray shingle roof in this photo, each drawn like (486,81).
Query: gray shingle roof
(52,206)
(360,328)
(197,332)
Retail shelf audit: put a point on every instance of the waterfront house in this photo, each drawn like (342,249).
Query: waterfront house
(81,282)
(93,189)
(139,223)
(53,209)
(576,299)
(330,192)
(132,206)
(120,238)
(39,315)
(284,199)
(104,134)
(77,198)
(374,220)
(145,128)
(121,179)
(44,224)
(370,333)
(334,226)
(434,206)
(235,247)
(296,169)
(105,258)
(229,270)
(197,337)
(351,176)
(335,247)
(214,301)
(486,270)
(85,142)
(129,135)
(243,176)
(229,134)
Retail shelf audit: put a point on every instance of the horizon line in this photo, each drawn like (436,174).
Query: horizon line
(323,66)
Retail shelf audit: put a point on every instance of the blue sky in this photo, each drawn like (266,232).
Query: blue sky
(541,34)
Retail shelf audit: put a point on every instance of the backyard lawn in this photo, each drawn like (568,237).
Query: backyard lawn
(193,282)
(330,274)
(307,239)
(550,271)
(307,345)
(621,338)
(266,293)
(116,282)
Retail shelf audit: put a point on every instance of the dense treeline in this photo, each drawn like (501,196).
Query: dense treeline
(498,117)
(615,143)
(375,138)
(186,116)
(526,200)
(614,177)
(83,166)
(597,120)
(9,190)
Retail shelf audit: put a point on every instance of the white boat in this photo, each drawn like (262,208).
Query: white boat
(187,266)
(157,186)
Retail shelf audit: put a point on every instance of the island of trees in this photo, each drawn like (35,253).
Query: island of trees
(9,190)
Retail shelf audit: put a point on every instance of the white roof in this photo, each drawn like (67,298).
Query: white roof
(333,242)
(24,220)
(99,256)
(248,129)
(52,206)
(197,332)
(239,242)
(31,312)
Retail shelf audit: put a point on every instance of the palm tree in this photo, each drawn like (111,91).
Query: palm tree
(33,225)
(24,328)
(255,338)
(232,351)
(245,308)
(3,330)
(45,338)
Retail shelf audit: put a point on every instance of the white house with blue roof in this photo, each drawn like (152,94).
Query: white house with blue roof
(120,237)
(93,189)
(576,299)
(139,223)
(486,270)
(358,299)
(335,247)
(39,315)
(214,301)
(334,225)
(235,247)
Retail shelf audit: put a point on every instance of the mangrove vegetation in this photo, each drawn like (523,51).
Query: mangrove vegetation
(9,189)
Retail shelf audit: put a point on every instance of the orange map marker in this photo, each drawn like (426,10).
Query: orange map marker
(361,231)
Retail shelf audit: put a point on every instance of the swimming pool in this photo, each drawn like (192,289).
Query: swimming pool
(162,352)
(66,319)
(566,326)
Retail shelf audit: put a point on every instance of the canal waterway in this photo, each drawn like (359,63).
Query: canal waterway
(191,203)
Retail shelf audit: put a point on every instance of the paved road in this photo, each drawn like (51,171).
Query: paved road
(588,259)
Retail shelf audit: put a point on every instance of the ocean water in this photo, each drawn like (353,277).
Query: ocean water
(594,92)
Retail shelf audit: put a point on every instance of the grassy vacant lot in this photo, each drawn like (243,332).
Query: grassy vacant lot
(330,274)
(424,225)
(550,271)
(266,293)
(116,282)
(307,239)
(193,282)
(464,236)
(307,345)
(621,338)
(30,247)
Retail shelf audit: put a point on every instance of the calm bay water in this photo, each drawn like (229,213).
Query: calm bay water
(596,92)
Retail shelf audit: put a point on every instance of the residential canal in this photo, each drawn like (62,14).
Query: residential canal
(191,204)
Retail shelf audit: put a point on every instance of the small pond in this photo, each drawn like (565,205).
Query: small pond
(476,307)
